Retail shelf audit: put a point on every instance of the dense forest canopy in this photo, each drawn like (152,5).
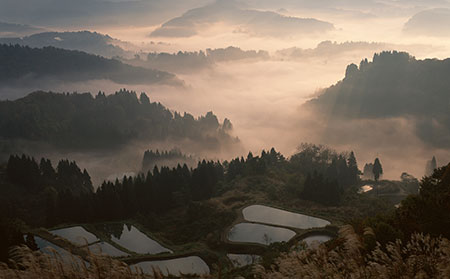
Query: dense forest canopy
(69,65)
(394,84)
(71,192)
(82,121)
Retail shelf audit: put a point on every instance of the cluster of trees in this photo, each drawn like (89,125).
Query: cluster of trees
(68,195)
(25,172)
(373,171)
(81,121)
(234,53)
(254,165)
(36,193)
(157,191)
(428,210)
(411,87)
(70,65)
(164,158)
(320,174)
(328,173)
(184,61)
(424,212)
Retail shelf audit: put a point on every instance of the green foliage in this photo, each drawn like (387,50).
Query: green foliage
(425,212)
(327,173)
(428,211)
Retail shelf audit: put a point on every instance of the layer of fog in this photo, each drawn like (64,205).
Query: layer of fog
(239,20)
(263,99)
(111,164)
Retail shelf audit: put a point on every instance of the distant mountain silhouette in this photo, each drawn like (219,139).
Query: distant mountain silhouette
(252,22)
(20,63)
(90,42)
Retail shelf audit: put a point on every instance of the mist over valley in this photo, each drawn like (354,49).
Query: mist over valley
(224,139)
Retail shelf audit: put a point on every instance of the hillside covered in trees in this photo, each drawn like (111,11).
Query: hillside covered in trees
(82,121)
(22,62)
(90,42)
(394,84)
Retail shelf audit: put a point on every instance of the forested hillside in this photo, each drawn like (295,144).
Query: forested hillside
(82,121)
(394,84)
(22,62)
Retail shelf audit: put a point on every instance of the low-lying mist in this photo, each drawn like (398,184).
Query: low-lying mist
(264,100)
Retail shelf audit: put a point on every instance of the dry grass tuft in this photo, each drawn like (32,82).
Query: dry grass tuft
(25,263)
(28,264)
(422,257)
